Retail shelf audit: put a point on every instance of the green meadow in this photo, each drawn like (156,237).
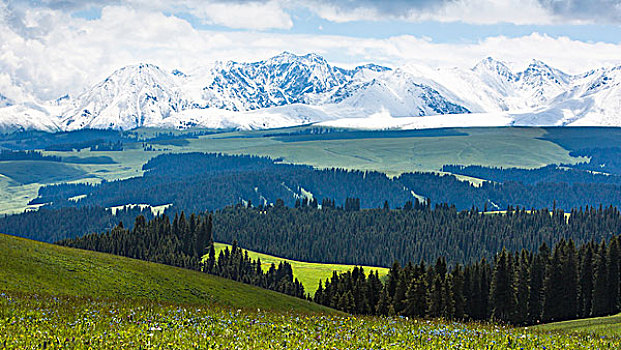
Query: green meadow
(29,267)
(309,274)
(608,326)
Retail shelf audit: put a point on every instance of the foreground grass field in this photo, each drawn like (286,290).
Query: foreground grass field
(35,322)
(59,298)
(609,326)
(309,274)
(33,267)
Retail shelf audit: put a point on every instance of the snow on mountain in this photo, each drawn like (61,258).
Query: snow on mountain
(399,93)
(133,96)
(541,83)
(593,98)
(281,80)
(22,117)
(288,90)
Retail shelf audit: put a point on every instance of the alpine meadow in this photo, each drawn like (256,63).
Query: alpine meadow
(321,174)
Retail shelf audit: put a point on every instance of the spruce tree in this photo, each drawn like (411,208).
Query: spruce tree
(600,303)
(612,258)
(522,288)
(586,280)
(502,294)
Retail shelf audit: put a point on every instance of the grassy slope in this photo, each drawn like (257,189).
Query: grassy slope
(601,326)
(309,274)
(34,267)
(31,171)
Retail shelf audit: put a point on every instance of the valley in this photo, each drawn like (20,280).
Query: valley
(390,152)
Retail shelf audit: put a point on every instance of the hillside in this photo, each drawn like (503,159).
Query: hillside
(309,274)
(601,326)
(33,267)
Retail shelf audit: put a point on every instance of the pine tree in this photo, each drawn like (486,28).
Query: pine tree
(536,280)
(569,281)
(435,305)
(586,280)
(416,298)
(502,292)
(600,304)
(459,301)
(522,288)
(383,304)
(612,258)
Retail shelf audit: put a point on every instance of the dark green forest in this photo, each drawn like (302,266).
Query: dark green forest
(337,234)
(521,288)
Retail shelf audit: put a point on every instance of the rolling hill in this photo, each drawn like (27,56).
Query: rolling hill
(39,268)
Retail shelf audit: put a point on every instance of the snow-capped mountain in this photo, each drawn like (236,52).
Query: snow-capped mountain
(281,80)
(288,90)
(132,96)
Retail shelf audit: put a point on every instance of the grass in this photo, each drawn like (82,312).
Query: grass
(506,147)
(36,322)
(33,267)
(37,171)
(608,326)
(309,274)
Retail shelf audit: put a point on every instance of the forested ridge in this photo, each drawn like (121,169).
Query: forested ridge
(330,233)
(417,231)
(195,182)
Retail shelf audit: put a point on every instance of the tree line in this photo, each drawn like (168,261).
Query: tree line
(416,231)
(188,243)
(322,231)
(6,155)
(521,288)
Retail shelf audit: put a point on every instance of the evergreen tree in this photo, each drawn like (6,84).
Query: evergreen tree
(600,304)
(586,280)
(502,295)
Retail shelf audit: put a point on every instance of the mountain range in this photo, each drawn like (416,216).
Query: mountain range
(289,89)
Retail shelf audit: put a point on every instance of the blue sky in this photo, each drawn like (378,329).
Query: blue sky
(305,21)
(48,47)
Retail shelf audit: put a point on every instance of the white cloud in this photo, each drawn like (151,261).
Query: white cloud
(250,15)
(57,53)
(521,12)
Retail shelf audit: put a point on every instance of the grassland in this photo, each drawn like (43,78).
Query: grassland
(389,152)
(36,322)
(59,298)
(609,326)
(38,268)
(309,274)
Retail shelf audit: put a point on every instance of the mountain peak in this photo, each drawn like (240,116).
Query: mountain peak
(538,70)
(287,57)
(489,65)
